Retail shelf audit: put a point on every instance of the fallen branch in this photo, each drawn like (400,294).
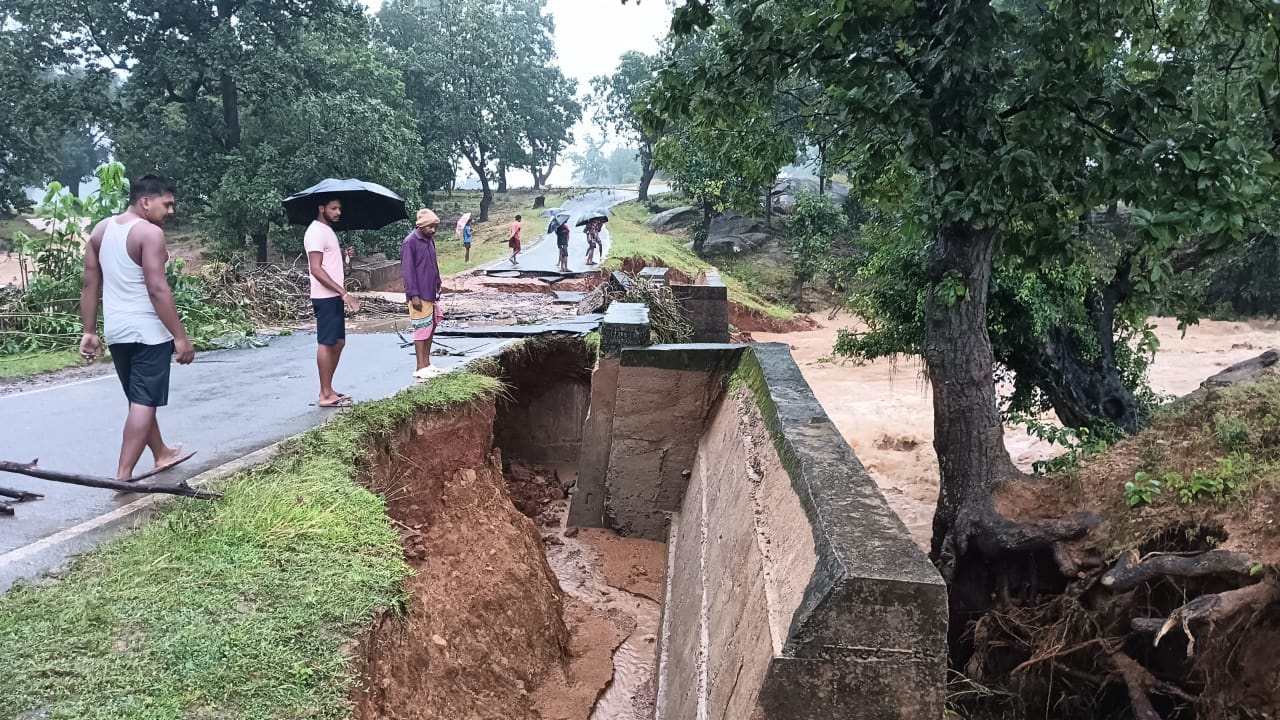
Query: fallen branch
(128,486)
(19,495)
(1130,571)
(1215,608)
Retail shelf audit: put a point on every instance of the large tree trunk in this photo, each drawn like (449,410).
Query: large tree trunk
(647,172)
(70,181)
(260,244)
(502,177)
(486,199)
(968,434)
(972,543)
(700,237)
(230,112)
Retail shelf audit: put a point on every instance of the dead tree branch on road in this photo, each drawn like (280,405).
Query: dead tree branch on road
(132,485)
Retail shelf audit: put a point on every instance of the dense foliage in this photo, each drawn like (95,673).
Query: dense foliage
(245,102)
(44,315)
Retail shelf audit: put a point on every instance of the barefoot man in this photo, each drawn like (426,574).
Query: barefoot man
(329,297)
(513,242)
(422,288)
(125,259)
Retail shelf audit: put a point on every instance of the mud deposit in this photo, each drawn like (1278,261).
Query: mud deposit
(508,614)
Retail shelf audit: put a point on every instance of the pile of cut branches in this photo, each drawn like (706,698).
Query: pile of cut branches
(666,316)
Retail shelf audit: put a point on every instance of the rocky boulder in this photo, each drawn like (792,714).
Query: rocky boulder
(733,232)
(675,218)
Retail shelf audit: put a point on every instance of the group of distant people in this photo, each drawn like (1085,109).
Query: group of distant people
(125,261)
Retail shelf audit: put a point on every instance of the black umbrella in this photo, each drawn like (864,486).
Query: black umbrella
(557,221)
(601,214)
(365,205)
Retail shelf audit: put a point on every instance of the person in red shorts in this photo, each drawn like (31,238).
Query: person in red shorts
(514,241)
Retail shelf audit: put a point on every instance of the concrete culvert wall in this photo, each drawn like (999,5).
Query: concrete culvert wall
(793,592)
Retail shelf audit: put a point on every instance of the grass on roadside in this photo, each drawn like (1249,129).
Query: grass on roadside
(240,607)
(36,363)
(631,237)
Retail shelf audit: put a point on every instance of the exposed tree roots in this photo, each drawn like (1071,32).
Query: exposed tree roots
(1130,571)
(1106,639)
(1215,608)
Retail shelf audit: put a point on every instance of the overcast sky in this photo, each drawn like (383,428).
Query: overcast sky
(590,37)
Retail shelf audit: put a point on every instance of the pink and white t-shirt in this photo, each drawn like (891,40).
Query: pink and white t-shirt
(322,239)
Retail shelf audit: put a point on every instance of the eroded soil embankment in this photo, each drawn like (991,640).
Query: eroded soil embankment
(483,627)
(486,631)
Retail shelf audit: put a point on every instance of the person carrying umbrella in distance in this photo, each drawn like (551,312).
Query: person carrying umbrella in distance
(464,229)
(327,207)
(593,223)
(513,242)
(422,289)
(560,226)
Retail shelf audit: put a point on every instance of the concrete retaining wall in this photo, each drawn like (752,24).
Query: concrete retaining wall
(793,591)
(706,308)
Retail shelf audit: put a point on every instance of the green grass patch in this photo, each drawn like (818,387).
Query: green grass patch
(36,363)
(235,608)
(631,237)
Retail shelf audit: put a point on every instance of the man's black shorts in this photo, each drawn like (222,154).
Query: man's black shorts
(564,248)
(144,371)
(331,320)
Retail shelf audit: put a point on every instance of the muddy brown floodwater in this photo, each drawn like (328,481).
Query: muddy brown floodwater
(604,576)
(885,412)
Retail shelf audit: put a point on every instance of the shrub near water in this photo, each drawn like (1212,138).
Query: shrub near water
(235,608)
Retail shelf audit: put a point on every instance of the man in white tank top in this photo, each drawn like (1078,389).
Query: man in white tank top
(125,258)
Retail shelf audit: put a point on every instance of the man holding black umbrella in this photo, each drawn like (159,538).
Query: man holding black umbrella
(329,296)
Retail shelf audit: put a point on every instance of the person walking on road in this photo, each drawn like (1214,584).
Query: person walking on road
(562,243)
(592,231)
(422,288)
(513,242)
(125,259)
(329,297)
(466,240)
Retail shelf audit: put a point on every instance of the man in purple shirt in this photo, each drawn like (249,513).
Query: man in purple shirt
(422,288)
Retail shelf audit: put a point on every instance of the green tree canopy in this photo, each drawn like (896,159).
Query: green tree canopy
(615,97)
(481,77)
(1009,113)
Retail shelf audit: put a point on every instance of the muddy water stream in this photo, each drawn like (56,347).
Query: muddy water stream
(579,567)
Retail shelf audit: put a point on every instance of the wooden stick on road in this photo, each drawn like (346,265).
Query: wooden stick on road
(128,486)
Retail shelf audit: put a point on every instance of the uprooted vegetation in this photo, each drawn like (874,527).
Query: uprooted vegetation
(1170,606)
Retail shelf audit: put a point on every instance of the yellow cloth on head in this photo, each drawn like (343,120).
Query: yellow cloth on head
(425,218)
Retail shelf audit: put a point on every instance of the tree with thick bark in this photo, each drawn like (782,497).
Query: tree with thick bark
(614,99)
(997,107)
(479,69)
